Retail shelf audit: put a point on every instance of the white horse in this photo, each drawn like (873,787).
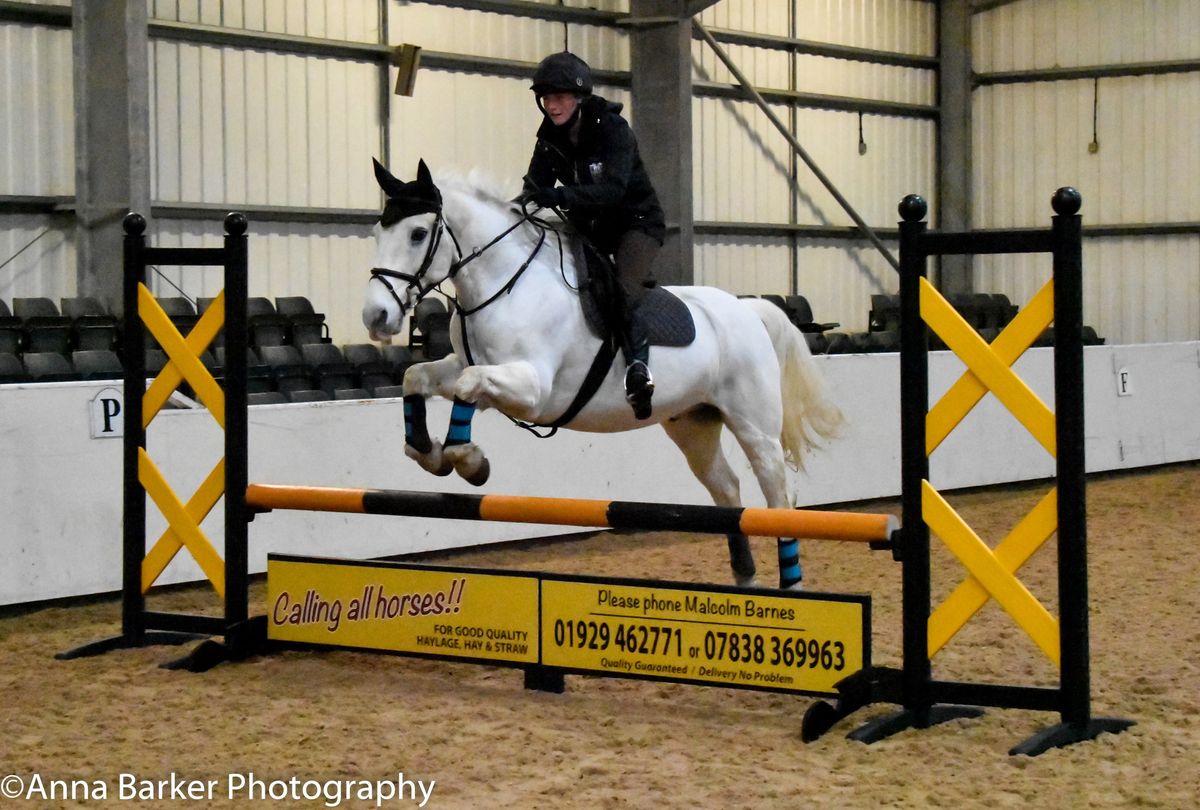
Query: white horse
(530,349)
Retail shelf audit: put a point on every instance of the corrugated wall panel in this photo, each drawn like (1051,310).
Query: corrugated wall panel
(235,126)
(840,77)
(907,26)
(838,278)
(1136,289)
(37,157)
(1069,33)
(743,265)
(1032,138)
(460,122)
(764,68)
(328,264)
(354,20)
(742,163)
(502,36)
(741,170)
(37,127)
(38,256)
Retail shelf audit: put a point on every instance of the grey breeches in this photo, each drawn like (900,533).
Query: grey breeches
(635,264)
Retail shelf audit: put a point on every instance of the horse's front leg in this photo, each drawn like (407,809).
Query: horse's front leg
(437,377)
(512,388)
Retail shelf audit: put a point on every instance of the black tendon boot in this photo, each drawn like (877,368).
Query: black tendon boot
(639,385)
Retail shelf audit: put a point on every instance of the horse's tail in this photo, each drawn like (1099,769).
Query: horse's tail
(809,415)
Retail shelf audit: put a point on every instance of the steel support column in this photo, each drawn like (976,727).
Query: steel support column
(660,54)
(112,136)
(954,138)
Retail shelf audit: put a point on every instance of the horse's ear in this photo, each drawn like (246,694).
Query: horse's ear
(424,178)
(390,185)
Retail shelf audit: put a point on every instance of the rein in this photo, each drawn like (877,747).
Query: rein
(382,274)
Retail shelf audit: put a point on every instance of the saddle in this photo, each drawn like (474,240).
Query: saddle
(662,317)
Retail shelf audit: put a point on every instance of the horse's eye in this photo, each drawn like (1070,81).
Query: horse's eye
(418,235)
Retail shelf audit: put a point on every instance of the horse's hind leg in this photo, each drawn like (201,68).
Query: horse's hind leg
(698,435)
(759,440)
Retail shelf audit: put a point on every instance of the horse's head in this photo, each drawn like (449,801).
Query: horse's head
(408,261)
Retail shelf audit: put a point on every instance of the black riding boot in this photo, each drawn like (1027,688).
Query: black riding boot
(639,384)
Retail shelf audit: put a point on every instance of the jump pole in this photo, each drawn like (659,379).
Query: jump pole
(875,529)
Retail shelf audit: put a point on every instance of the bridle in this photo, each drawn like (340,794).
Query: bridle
(382,274)
(415,280)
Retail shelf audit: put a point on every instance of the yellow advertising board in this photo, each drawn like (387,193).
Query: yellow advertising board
(424,610)
(753,639)
(552,623)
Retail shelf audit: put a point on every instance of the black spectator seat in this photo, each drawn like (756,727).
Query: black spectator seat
(329,368)
(308,396)
(45,328)
(838,343)
(97,364)
(12,333)
(777,300)
(266,398)
(437,336)
(92,326)
(181,311)
(156,361)
(286,367)
(258,374)
(306,325)
(967,305)
(48,367)
(887,341)
(372,369)
(11,370)
(351,393)
(800,313)
(266,326)
(399,358)
(1003,310)
(389,391)
(885,313)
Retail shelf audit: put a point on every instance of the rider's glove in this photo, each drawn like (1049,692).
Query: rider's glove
(542,197)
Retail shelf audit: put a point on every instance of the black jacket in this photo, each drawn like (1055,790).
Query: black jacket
(605,188)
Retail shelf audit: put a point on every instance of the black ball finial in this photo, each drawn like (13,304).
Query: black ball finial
(1066,201)
(236,223)
(135,223)
(913,208)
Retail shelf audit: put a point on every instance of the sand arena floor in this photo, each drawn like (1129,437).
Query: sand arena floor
(610,743)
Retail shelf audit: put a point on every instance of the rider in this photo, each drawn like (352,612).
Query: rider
(605,192)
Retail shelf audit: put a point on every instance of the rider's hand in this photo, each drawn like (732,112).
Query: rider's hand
(542,197)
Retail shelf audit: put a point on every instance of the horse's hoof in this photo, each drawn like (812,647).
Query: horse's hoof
(434,461)
(795,587)
(745,582)
(470,463)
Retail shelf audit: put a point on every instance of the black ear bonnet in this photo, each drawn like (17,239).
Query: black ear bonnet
(404,200)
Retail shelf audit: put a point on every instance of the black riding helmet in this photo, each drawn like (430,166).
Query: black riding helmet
(562,72)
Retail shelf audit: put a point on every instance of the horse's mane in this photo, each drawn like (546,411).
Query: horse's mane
(485,188)
(478,183)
